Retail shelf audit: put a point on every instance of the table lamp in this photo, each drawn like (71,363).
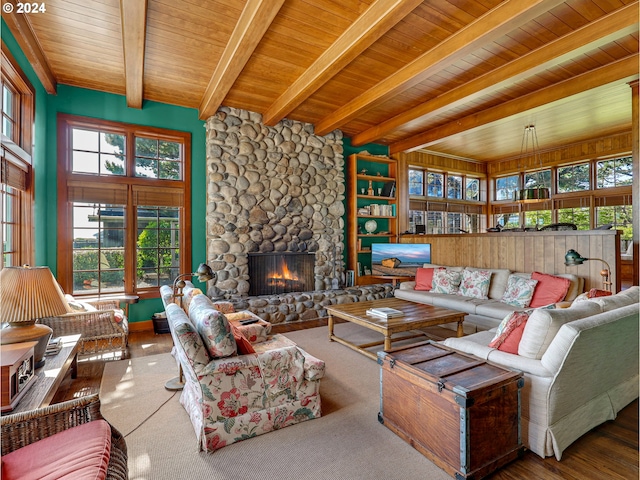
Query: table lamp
(26,295)
(573,258)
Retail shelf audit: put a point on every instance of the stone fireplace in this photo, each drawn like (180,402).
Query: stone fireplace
(272,190)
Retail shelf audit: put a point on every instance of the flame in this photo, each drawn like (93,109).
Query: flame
(280,279)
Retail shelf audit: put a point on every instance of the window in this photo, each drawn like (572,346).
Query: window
(506,187)
(416,182)
(473,189)
(507,220)
(579,216)
(454,186)
(541,178)
(537,218)
(574,178)
(435,182)
(620,218)
(616,172)
(16,166)
(124,207)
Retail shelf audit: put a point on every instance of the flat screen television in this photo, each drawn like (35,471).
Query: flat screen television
(409,255)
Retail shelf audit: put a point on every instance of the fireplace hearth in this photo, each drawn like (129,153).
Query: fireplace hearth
(281,272)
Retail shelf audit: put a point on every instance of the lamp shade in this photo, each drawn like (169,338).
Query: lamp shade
(27,294)
(573,258)
(204,273)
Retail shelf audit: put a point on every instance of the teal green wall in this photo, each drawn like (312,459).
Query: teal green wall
(90,103)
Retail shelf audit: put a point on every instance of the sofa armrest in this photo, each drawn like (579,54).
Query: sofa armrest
(516,362)
(407,285)
(314,368)
(91,324)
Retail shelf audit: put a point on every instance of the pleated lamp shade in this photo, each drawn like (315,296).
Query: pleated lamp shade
(27,294)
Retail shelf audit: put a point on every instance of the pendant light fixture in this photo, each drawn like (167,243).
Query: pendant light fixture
(538,193)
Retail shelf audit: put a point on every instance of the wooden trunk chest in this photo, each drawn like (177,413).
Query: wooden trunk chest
(458,410)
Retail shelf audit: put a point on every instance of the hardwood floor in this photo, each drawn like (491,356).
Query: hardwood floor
(609,451)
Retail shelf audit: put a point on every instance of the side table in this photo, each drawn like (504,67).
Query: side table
(50,376)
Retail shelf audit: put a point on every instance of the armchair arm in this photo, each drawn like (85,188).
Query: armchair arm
(90,324)
(313,367)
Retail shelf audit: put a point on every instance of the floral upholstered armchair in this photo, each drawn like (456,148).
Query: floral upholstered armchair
(235,389)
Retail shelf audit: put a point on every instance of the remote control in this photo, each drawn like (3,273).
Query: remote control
(248,322)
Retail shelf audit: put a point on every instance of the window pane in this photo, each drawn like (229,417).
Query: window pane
(454,222)
(473,189)
(537,218)
(7,101)
(573,178)
(508,220)
(454,186)
(471,223)
(85,140)
(158,159)
(416,180)
(505,187)
(434,184)
(112,164)
(614,173)
(98,248)
(158,246)
(537,179)
(579,216)
(435,222)
(98,152)
(146,168)
(170,170)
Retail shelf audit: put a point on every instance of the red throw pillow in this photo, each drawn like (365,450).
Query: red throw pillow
(424,278)
(244,345)
(510,344)
(509,332)
(549,289)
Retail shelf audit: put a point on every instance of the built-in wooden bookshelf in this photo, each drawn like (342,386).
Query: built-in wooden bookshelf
(371,195)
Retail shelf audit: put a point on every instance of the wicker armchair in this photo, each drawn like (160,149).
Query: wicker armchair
(21,429)
(100,331)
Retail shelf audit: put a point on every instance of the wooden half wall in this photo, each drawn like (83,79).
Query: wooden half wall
(529,251)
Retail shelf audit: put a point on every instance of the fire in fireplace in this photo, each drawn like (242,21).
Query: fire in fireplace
(282,272)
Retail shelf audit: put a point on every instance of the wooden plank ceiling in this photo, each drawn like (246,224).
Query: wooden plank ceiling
(457,77)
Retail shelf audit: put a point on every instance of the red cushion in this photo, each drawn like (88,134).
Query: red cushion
(424,278)
(509,339)
(549,289)
(244,345)
(510,344)
(595,292)
(80,453)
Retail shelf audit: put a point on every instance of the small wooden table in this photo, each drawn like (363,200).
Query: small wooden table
(49,377)
(416,316)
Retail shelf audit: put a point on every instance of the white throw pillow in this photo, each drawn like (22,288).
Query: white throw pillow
(446,281)
(519,291)
(475,283)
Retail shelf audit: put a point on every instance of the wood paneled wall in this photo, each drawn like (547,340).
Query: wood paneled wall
(529,251)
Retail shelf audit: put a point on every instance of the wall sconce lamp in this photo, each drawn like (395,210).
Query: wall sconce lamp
(573,258)
(204,274)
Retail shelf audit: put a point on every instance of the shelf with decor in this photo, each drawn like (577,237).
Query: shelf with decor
(371,210)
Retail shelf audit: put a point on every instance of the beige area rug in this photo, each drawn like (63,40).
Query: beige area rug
(347,442)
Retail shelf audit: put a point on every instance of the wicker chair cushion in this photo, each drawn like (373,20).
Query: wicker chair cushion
(78,453)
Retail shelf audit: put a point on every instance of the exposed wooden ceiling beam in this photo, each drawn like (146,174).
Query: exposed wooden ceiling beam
(21,28)
(625,69)
(617,24)
(254,21)
(134,27)
(497,22)
(379,18)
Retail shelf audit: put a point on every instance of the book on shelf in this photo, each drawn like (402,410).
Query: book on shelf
(385,312)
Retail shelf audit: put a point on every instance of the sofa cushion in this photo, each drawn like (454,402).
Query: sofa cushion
(424,279)
(413,295)
(188,292)
(497,310)
(80,452)
(475,283)
(446,281)
(621,299)
(499,279)
(543,324)
(550,289)
(519,291)
(509,332)
(213,327)
(244,346)
(185,334)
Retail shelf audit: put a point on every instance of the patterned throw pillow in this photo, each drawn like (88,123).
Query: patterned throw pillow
(213,327)
(446,281)
(509,333)
(424,278)
(475,283)
(519,291)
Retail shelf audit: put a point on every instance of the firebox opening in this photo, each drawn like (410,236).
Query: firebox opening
(282,272)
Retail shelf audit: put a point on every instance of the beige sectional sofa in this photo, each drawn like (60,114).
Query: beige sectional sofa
(580,366)
(481,314)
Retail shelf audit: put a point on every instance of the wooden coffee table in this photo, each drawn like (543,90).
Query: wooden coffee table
(416,316)
(49,377)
